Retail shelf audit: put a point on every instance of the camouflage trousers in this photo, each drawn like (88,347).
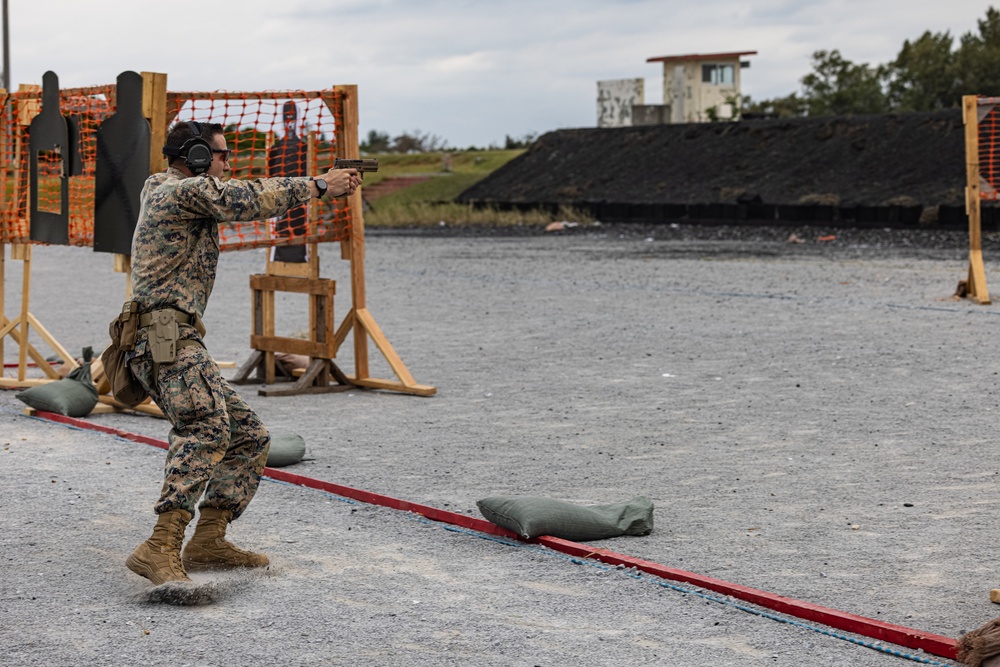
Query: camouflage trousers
(218,445)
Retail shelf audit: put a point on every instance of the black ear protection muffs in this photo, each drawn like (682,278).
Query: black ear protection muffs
(197,152)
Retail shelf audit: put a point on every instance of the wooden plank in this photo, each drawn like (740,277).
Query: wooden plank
(268,310)
(54,344)
(21,251)
(977,278)
(342,331)
(392,385)
(315,380)
(17,383)
(312,209)
(100,378)
(23,318)
(185,95)
(312,389)
(6,203)
(976,286)
(315,326)
(123,264)
(269,363)
(291,346)
(257,313)
(321,316)
(154,108)
(28,106)
(321,286)
(293,269)
(249,366)
(8,326)
(36,356)
(347,146)
(382,343)
(147,407)
(104,408)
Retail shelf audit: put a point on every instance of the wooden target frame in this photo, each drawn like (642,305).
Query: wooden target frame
(982,141)
(322,374)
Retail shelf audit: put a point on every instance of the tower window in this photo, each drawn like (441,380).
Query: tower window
(718,75)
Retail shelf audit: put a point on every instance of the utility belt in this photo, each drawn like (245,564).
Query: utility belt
(179,316)
(161,341)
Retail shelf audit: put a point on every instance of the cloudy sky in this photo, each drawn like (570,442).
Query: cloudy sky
(470,72)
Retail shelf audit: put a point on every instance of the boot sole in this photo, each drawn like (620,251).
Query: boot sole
(192,566)
(146,572)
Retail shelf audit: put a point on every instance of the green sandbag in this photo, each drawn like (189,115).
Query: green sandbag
(531,517)
(285,450)
(74,396)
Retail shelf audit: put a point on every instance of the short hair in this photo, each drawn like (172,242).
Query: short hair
(184,130)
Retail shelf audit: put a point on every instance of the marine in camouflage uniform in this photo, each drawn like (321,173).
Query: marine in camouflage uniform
(218,445)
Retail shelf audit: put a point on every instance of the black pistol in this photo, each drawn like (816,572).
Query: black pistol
(362,165)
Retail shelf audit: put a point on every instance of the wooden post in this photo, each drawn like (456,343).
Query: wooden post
(23,319)
(154,108)
(347,147)
(362,321)
(976,283)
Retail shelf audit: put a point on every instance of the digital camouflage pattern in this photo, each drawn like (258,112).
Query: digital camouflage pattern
(175,249)
(218,445)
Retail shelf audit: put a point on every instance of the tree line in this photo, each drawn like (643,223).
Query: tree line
(930,73)
(421,142)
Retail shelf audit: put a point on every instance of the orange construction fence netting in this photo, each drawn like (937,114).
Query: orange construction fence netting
(988,134)
(272,133)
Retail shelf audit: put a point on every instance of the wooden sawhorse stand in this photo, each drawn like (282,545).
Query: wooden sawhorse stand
(18,328)
(321,347)
(322,374)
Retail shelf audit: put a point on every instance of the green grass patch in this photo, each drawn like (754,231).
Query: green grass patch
(431,202)
(480,163)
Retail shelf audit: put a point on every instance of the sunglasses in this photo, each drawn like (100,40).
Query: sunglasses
(225,152)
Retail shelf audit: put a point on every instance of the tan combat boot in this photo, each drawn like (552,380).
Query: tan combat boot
(208,548)
(158,558)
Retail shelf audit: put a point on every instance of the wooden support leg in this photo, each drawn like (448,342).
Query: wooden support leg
(406,382)
(254,363)
(313,381)
(977,289)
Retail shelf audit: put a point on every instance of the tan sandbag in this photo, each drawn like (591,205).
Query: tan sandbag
(291,362)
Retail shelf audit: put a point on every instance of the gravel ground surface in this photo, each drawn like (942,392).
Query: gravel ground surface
(811,419)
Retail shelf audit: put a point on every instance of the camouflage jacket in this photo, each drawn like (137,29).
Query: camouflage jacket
(175,249)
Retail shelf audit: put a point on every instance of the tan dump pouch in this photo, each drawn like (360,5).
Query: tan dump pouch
(123,330)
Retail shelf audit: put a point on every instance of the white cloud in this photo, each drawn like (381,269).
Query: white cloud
(465,70)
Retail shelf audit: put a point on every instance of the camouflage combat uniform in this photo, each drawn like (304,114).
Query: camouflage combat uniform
(217,444)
